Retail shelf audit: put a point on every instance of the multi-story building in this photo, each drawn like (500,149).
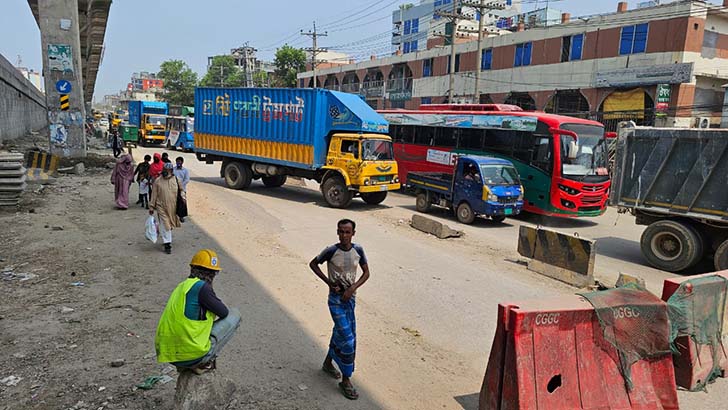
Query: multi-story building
(413,25)
(246,60)
(33,76)
(665,63)
(145,81)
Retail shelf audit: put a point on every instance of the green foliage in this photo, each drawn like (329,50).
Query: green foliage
(223,73)
(179,82)
(289,61)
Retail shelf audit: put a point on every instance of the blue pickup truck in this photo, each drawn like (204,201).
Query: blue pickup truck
(480,186)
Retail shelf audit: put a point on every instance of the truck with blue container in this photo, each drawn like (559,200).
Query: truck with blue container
(480,186)
(150,117)
(269,134)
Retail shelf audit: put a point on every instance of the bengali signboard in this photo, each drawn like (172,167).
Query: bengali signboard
(645,75)
(663,97)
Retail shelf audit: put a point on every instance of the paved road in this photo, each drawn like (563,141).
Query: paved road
(426,318)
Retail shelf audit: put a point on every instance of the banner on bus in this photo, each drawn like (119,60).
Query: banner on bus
(509,122)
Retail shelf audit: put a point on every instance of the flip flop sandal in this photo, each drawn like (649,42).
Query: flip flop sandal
(348,391)
(331,371)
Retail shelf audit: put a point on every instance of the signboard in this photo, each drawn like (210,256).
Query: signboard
(663,97)
(645,75)
(510,122)
(64,102)
(63,86)
(400,96)
(440,157)
(60,57)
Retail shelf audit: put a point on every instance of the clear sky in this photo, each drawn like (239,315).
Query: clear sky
(143,33)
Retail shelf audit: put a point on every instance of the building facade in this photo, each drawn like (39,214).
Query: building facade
(663,65)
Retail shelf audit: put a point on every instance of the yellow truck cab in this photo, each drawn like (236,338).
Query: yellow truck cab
(153,129)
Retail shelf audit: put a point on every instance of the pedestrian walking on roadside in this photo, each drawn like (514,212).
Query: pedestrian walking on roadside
(155,168)
(116,143)
(188,335)
(144,188)
(164,202)
(341,262)
(122,177)
(183,177)
(142,172)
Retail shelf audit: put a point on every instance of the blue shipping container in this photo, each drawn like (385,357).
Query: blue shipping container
(138,108)
(285,126)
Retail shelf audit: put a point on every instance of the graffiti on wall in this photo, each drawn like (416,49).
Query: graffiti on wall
(59,134)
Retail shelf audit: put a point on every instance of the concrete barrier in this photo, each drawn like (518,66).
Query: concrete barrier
(203,392)
(41,165)
(433,227)
(564,257)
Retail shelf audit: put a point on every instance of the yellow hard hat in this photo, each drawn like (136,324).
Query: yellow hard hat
(207,259)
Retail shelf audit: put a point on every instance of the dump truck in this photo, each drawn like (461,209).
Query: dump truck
(150,117)
(331,137)
(480,186)
(673,180)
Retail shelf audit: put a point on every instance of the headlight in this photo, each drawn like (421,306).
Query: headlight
(568,190)
(520,196)
(395,180)
(366,181)
(493,197)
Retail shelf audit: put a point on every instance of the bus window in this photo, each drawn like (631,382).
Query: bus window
(523,146)
(500,141)
(471,138)
(447,137)
(423,135)
(542,154)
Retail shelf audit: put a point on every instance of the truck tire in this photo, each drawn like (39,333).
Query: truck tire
(335,192)
(423,203)
(465,213)
(237,175)
(374,198)
(671,245)
(721,256)
(274,181)
(498,218)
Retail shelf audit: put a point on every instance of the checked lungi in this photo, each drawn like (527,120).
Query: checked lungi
(342,347)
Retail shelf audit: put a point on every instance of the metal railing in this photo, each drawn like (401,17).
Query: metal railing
(399,84)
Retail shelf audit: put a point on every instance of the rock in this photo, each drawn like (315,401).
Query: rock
(118,363)
(202,392)
(57,228)
(79,168)
(433,227)
(628,279)
(66,309)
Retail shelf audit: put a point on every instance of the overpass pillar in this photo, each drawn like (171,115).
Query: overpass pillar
(58,21)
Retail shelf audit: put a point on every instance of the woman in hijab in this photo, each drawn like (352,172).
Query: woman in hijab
(121,178)
(155,169)
(164,201)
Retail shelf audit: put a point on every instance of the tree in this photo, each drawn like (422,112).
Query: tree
(289,61)
(223,73)
(179,82)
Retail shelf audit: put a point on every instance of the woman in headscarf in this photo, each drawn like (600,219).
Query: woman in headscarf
(122,177)
(155,169)
(164,201)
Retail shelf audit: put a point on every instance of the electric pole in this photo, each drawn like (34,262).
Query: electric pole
(481,6)
(314,50)
(454,16)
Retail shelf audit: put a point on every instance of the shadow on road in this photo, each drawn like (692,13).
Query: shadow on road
(294,193)
(446,214)
(553,222)
(468,401)
(630,251)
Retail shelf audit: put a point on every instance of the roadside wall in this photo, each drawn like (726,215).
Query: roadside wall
(22,106)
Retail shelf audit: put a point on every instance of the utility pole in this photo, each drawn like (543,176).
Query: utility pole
(221,75)
(454,18)
(314,50)
(481,6)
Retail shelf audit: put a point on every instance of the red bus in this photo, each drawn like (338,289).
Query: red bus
(562,160)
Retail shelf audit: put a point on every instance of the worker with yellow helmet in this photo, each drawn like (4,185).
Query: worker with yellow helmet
(188,334)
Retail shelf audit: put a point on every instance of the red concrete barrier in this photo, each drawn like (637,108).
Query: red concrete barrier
(551,354)
(694,362)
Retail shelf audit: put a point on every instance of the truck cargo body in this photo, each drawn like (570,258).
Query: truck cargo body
(310,133)
(150,118)
(674,181)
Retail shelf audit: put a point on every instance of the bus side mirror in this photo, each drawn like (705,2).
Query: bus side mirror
(573,150)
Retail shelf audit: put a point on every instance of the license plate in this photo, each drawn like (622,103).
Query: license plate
(509,211)
(383,188)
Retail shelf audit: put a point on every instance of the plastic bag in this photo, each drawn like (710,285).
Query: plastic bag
(151,229)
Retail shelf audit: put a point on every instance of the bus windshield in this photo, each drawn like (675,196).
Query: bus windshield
(377,150)
(190,124)
(591,156)
(499,175)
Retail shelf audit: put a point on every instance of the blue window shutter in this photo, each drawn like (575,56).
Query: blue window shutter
(457,63)
(577,42)
(438,3)
(489,59)
(625,43)
(413,46)
(527,54)
(519,56)
(406,47)
(509,2)
(407,27)
(640,38)
(415,25)
(426,100)
(426,68)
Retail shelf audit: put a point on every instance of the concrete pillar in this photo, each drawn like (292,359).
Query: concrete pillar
(61,49)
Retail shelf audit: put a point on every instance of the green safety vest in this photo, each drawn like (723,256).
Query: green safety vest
(179,338)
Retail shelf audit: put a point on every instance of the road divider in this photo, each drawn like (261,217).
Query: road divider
(41,165)
(433,227)
(564,257)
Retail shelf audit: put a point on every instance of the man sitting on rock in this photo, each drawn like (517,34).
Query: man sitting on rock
(188,336)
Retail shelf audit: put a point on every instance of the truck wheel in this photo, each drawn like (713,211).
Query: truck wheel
(237,175)
(423,203)
(274,181)
(498,218)
(336,193)
(721,256)
(465,213)
(671,246)
(373,198)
